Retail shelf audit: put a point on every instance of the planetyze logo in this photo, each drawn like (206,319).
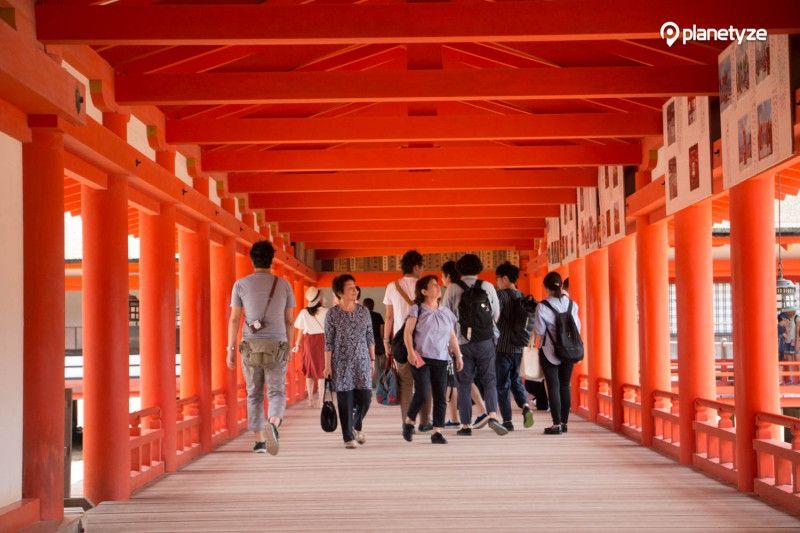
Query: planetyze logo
(671,32)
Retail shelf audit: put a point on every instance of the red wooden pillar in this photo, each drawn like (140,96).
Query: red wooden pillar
(599,324)
(754,348)
(299,298)
(652,255)
(43,371)
(279,270)
(524,282)
(223,267)
(694,289)
(624,333)
(157,323)
(196,324)
(105,341)
(577,291)
(537,279)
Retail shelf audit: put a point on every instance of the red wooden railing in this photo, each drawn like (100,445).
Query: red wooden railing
(147,458)
(666,415)
(187,429)
(241,407)
(605,403)
(632,411)
(219,417)
(778,477)
(583,395)
(715,439)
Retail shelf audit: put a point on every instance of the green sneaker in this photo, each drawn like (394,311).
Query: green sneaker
(527,416)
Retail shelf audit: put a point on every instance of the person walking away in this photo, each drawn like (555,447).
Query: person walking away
(475,304)
(310,342)
(267,303)
(350,358)
(557,371)
(516,327)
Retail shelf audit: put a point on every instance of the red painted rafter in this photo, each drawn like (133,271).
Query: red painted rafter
(349,226)
(397,23)
(400,129)
(357,213)
(421,158)
(407,181)
(463,197)
(415,86)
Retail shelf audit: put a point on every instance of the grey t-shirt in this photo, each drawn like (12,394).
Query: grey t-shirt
(251,293)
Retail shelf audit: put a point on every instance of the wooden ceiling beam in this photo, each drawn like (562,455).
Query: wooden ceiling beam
(415,85)
(421,158)
(421,180)
(443,201)
(357,213)
(390,226)
(402,129)
(427,22)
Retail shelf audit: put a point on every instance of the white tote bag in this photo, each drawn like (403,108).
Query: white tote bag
(531,367)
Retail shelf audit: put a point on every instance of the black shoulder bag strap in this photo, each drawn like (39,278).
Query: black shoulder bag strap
(269,300)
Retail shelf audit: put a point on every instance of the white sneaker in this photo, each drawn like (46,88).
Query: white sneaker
(360,437)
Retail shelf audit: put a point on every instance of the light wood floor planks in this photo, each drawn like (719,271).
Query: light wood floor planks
(589,479)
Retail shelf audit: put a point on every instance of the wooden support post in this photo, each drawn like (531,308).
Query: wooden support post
(624,333)
(599,324)
(577,291)
(223,266)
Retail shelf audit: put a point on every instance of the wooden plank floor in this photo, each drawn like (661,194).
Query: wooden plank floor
(588,479)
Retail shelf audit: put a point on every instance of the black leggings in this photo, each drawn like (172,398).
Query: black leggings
(558,379)
(432,376)
(352,400)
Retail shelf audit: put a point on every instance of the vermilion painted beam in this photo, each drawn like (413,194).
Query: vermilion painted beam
(399,129)
(400,181)
(414,235)
(396,23)
(413,198)
(415,85)
(421,158)
(355,212)
(350,226)
(444,242)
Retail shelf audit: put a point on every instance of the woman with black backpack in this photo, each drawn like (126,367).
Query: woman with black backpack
(557,323)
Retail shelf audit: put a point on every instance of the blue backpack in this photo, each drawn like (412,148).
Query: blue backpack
(387,388)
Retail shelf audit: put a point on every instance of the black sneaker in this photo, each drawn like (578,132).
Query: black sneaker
(272,439)
(452,424)
(563,428)
(260,447)
(423,428)
(438,438)
(481,421)
(553,430)
(497,427)
(408,432)
(527,417)
(464,432)
(508,425)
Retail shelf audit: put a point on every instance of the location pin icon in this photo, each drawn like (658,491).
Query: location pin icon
(670,32)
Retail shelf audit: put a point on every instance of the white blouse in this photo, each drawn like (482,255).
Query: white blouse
(311,325)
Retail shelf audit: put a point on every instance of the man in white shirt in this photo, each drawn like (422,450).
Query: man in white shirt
(398,299)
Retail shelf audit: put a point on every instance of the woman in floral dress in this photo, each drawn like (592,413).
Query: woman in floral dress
(349,358)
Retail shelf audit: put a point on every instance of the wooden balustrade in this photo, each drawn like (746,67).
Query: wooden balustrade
(219,414)
(715,439)
(241,406)
(666,415)
(778,462)
(632,411)
(583,395)
(605,403)
(147,458)
(187,429)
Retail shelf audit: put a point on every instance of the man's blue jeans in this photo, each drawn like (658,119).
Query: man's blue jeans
(508,380)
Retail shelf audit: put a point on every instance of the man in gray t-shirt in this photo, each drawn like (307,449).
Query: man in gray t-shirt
(268,303)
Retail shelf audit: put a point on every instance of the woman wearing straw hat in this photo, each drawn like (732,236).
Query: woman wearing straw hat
(310,339)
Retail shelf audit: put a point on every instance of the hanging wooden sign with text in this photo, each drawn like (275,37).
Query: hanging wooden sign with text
(755,107)
(611,195)
(588,227)
(553,232)
(687,147)
(569,232)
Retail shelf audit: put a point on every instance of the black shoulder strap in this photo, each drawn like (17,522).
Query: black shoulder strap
(547,304)
(463,285)
(269,300)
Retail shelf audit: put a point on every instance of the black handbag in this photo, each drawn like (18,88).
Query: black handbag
(327,416)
